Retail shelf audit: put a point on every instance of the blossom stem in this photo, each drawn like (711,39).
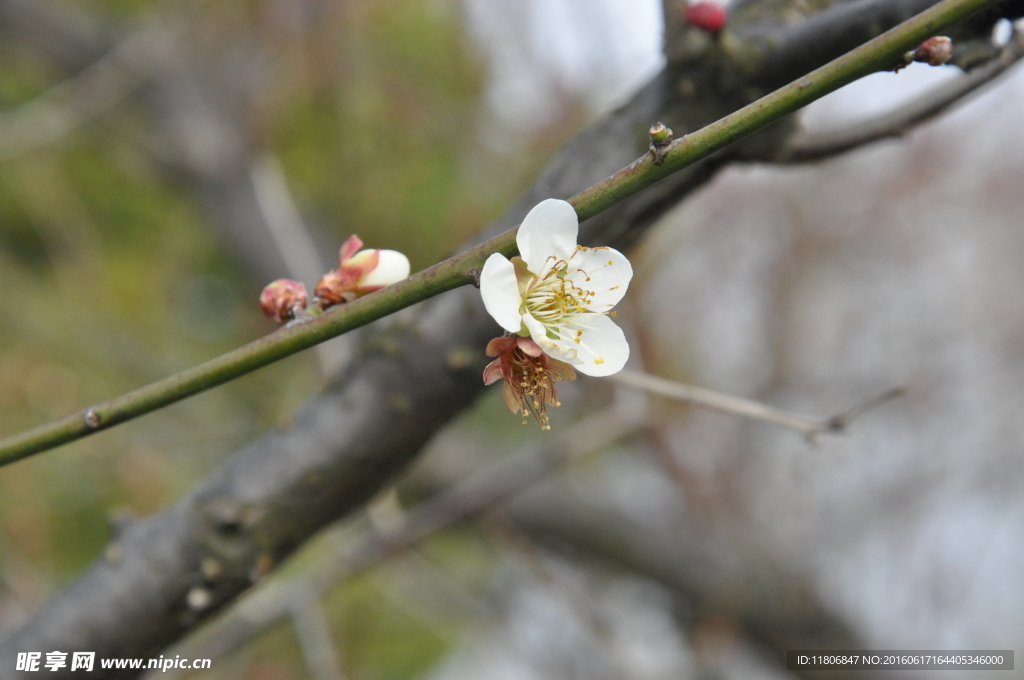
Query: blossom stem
(876,55)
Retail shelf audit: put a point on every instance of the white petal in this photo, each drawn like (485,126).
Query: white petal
(549,230)
(604,273)
(392,267)
(500,292)
(602,348)
(551,347)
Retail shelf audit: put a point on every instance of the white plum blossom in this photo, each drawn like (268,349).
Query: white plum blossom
(560,293)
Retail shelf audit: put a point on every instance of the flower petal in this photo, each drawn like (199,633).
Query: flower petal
(356,268)
(603,349)
(560,370)
(512,399)
(549,231)
(595,344)
(552,347)
(499,346)
(350,247)
(392,267)
(529,347)
(492,372)
(604,273)
(500,292)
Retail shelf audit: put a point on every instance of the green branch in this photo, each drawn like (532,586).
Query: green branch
(878,54)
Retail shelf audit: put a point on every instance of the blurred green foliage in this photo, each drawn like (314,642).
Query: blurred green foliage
(113,276)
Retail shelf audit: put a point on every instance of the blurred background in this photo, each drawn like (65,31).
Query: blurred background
(128,251)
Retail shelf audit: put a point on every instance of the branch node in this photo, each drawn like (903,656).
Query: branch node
(474,277)
(211,569)
(226,518)
(198,598)
(92,419)
(112,554)
(118,521)
(264,563)
(661,138)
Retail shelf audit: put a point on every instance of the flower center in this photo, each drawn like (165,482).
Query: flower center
(532,385)
(554,298)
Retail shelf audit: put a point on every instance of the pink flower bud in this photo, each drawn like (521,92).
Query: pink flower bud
(360,272)
(934,51)
(707,16)
(282,300)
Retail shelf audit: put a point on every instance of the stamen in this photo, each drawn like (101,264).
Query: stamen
(530,383)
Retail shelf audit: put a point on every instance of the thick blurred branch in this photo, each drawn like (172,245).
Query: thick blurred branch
(706,572)
(463,499)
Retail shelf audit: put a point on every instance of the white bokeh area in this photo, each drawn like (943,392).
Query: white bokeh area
(810,287)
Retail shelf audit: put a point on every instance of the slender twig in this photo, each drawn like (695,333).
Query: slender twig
(812,146)
(314,636)
(285,223)
(292,238)
(747,408)
(875,55)
(488,489)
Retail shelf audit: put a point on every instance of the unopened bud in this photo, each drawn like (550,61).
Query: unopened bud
(934,51)
(707,16)
(660,135)
(360,272)
(282,300)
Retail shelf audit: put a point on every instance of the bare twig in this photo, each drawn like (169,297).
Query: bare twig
(293,240)
(76,101)
(284,220)
(315,641)
(812,146)
(747,408)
